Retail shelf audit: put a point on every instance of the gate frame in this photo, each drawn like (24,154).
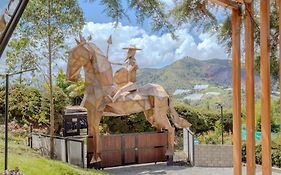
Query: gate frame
(123,149)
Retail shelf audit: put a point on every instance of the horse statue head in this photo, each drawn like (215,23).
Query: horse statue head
(92,59)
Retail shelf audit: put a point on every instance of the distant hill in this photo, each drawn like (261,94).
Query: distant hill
(187,72)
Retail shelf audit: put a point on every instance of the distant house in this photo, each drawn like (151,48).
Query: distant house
(200,87)
(194,97)
(208,94)
(181,91)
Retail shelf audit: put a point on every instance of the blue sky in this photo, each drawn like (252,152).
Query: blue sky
(158,50)
(3,5)
(94,12)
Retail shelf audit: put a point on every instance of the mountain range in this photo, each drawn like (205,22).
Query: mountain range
(188,72)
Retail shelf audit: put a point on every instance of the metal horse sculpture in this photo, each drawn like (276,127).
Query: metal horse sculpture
(151,99)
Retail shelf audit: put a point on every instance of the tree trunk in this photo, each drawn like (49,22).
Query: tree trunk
(52,115)
(21,69)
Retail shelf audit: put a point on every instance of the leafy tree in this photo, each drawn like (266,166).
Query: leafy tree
(154,9)
(126,124)
(19,56)
(74,90)
(61,81)
(224,36)
(24,104)
(196,12)
(28,104)
(203,121)
(47,24)
(61,100)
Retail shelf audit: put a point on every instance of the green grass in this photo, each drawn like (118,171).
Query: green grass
(31,163)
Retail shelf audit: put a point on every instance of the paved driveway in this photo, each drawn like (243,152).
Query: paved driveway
(163,169)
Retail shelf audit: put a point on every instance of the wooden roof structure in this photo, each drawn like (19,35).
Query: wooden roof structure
(234,6)
(8,26)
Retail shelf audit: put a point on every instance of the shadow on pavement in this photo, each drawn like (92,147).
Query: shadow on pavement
(144,169)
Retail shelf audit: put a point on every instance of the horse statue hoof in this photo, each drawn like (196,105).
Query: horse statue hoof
(169,153)
(94,160)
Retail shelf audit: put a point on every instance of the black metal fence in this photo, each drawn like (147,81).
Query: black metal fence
(70,150)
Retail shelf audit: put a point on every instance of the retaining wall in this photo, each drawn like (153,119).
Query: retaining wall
(213,155)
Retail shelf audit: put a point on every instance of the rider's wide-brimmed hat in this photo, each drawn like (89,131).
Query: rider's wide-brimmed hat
(131,47)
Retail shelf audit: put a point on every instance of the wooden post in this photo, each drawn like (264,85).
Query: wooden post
(250,89)
(236,84)
(280,55)
(265,87)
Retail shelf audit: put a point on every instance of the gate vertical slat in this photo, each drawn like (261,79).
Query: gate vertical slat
(66,150)
(136,149)
(82,154)
(123,149)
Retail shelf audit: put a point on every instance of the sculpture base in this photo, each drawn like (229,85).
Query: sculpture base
(170,160)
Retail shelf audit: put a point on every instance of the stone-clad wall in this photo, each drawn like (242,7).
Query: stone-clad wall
(213,155)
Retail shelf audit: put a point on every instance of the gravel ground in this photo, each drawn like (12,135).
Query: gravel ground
(163,169)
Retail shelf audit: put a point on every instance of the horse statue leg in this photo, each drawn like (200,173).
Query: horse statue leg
(93,142)
(158,118)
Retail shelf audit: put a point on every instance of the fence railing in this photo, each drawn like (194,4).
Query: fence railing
(188,145)
(66,149)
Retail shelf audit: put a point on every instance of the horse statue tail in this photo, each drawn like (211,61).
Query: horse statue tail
(177,120)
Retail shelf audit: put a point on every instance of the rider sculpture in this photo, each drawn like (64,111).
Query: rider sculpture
(125,77)
(129,70)
(104,97)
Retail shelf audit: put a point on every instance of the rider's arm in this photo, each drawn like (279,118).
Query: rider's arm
(120,64)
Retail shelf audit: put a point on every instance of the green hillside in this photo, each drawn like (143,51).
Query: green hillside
(187,72)
(31,163)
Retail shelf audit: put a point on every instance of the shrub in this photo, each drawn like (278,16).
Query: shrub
(60,102)
(275,154)
(126,124)
(24,103)
(28,104)
(203,121)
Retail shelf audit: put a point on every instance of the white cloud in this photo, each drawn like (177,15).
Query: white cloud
(157,51)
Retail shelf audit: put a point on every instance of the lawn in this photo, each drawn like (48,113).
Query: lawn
(31,163)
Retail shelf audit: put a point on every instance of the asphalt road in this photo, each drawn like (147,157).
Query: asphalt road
(163,169)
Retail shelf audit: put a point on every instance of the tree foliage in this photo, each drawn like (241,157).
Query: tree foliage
(224,35)
(28,104)
(153,9)
(43,20)
(196,12)
(45,26)
(203,121)
(24,104)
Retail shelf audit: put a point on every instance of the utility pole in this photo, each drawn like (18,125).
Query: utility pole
(6,120)
(222,125)
(7,75)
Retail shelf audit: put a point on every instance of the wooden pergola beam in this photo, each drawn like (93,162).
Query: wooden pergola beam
(226,3)
(236,84)
(250,89)
(265,87)
(280,53)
